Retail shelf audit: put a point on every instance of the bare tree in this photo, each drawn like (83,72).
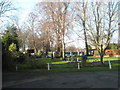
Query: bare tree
(71,48)
(23,34)
(5,6)
(81,17)
(102,23)
(32,19)
(56,14)
(47,36)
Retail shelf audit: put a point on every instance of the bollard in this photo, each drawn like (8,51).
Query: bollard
(16,68)
(109,64)
(78,66)
(77,59)
(48,66)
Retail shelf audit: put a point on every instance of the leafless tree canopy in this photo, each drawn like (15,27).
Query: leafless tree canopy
(101,25)
(5,6)
(54,22)
(49,22)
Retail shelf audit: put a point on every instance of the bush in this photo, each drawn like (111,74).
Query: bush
(40,64)
(22,57)
(18,57)
(8,62)
(39,53)
(36,64)
(84,58)
(12,47)
(73,59)
(8,39)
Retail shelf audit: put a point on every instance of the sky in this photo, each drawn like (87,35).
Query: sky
(26,6)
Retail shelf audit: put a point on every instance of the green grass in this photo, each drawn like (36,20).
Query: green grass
(48,60)
(71,66)
(105,58)
(90,59)
(85,69)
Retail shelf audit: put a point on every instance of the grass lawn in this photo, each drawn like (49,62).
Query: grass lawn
(85,69)
(56,65)
(105,58)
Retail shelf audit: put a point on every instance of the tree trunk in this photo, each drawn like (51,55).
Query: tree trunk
(101,59)
(86,45)
(35,49)
(58,44)
(63,50)
(23,48)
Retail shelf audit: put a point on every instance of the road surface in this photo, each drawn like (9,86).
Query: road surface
(101,79)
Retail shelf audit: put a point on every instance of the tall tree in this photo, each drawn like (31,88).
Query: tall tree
(22,37)
(81,17)
(7,40)
(31,23)
(56,13)
(47,36)
(10,36)
(102,23)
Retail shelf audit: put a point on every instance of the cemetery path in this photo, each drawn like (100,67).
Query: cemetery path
(101,79)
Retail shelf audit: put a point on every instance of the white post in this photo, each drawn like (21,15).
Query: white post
(109,64)
(77,59)
(48,66)
(16,68)
(78,66)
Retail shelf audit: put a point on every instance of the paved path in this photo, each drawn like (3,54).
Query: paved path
(102,79)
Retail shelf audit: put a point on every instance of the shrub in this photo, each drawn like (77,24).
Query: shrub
(73,59)
(12,47)
(8,63)
(39,54)
(22,57)
(40,64)
(84,58)
(8,39)
(36,64)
